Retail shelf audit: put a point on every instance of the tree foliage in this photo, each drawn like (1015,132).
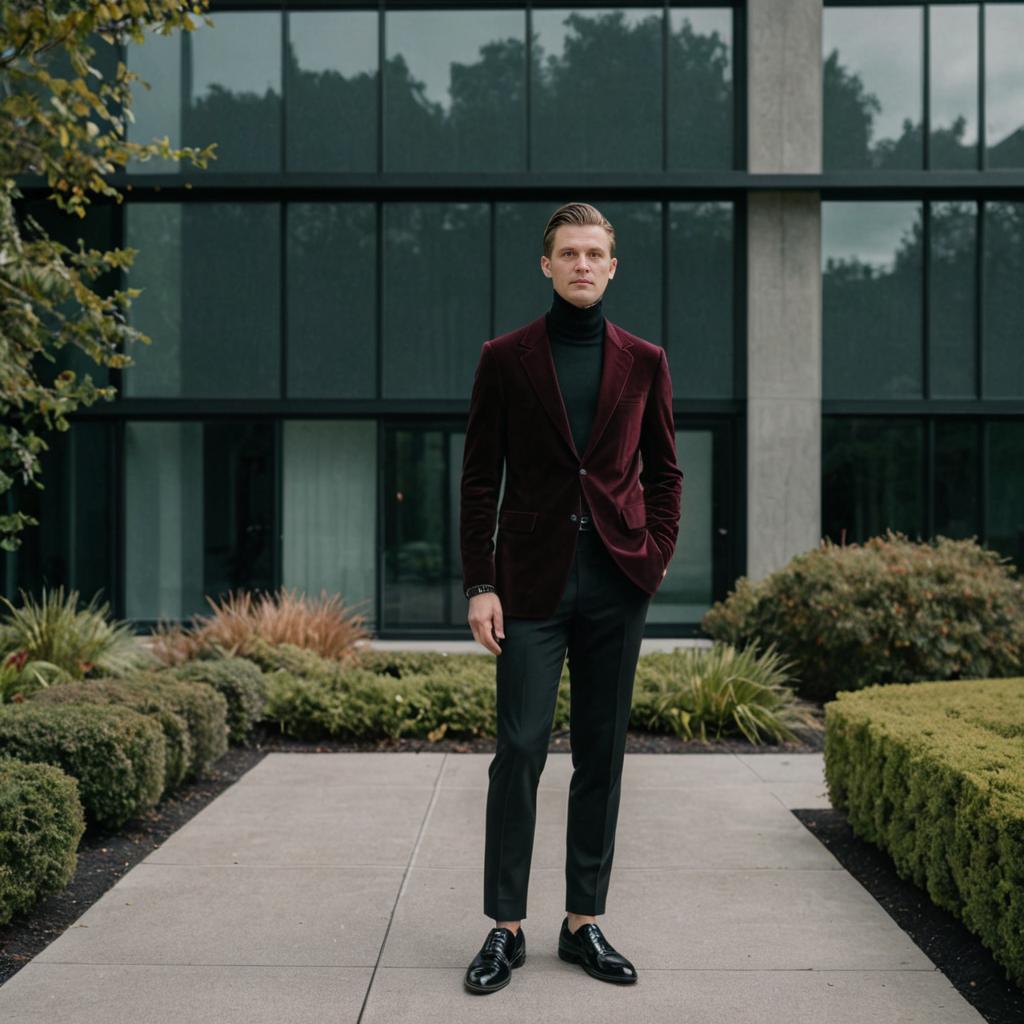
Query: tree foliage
(63,122)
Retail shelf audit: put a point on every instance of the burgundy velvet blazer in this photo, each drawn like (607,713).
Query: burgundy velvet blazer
(628,471)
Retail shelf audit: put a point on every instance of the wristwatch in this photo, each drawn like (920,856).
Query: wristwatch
(479,588)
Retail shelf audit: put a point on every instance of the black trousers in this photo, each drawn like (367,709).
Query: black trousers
(599,622)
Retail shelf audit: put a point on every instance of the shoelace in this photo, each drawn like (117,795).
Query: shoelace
(496,941)
(596,937)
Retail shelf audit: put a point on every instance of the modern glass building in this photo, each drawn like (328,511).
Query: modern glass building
(820,216)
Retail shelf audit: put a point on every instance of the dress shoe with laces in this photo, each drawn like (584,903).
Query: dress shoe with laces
(588,946)
(491,968)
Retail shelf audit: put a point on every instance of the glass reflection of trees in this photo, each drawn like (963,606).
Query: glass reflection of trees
(871,305)
(871,85)
(455,90)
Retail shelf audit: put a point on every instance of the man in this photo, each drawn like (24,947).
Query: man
(578,411)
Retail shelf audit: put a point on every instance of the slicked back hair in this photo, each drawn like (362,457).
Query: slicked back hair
(578,214)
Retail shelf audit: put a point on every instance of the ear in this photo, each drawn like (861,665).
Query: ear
(545,266)
(611,267)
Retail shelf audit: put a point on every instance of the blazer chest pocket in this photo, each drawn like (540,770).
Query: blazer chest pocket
(635,515)
(510,519)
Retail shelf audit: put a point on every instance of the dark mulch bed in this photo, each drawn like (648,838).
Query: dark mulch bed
(957,953)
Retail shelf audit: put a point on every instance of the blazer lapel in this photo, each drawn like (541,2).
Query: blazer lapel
(539,366)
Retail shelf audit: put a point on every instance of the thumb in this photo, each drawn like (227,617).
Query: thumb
(499,625)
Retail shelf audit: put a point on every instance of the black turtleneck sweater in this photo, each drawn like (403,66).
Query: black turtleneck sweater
(576,347)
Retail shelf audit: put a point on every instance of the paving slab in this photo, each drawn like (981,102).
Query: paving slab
(349,887)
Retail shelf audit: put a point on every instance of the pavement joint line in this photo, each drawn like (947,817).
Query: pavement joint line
(405,881)
(546,957)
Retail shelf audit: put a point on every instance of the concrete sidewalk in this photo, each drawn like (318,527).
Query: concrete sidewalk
(348,887)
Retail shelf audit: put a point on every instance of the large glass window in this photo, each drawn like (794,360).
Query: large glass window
(872,477)
(872,87)
(331,91)
(332,300)
(702,299)
(455,95)
(1005,492)
(437,297)
(215,84)
(1003,306)
(871,299)
(329,510)
(872,77)
(211,279)
(199,501)
(1004,85)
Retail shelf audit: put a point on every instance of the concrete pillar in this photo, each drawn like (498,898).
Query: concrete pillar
(784,285)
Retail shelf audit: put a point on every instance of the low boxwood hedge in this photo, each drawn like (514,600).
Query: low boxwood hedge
(933,773)
(142,699)
(116,754)
(41,823)
(239,681)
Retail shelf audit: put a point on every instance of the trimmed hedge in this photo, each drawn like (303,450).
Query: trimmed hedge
(41,823)
(933,773)
(888,610)
(203,708)
(116,754)
(147,702)
(239,681)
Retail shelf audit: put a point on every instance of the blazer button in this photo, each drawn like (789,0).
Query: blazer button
(583,472)
(572,518)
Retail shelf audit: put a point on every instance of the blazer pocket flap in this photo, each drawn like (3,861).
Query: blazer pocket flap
(635,515)
(513,520)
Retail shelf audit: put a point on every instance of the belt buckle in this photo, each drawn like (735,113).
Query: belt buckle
(585,523)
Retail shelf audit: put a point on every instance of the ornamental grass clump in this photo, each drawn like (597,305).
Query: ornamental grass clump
(324,625)
(888,610)
(717,692)
(52,640)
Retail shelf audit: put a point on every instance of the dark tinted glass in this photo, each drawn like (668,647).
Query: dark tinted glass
(953,89)
(199,505)
(957,509)
(455,85)
(1005,497)
(416,526)
(437,300)
(234,90)
(872,87)
(157,110)
(872,477)
(633,296)
(701,296)
(1003,310)
(700,89)
(72,545)
(597,90)
(212,279)
(332,300)
(952,300)
(871,299)
(331,93)
(521,291)
(1004,85)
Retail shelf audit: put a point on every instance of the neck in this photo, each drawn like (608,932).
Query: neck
(575,324)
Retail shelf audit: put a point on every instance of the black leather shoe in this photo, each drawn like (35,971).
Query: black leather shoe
(589,947)
(491,968)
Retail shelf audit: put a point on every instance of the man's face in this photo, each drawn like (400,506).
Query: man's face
(581,264)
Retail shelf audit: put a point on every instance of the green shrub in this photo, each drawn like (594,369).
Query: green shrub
(933,773)
(116,754)
(239,681)
(889,610)
(716,692)
(78,641)
(298,660)
(203,708)
(146,701)
(401,664)
(41,823)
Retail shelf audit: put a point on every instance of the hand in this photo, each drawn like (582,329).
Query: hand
(486,621)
